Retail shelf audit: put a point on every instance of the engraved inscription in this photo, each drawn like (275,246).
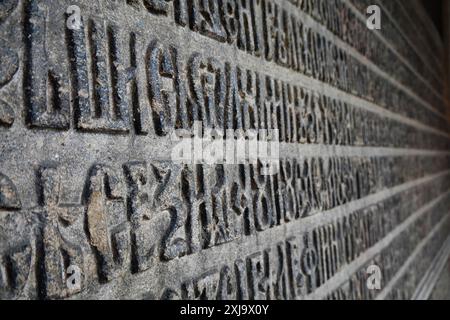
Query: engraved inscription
(90,118)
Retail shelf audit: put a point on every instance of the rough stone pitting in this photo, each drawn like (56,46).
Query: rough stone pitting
(93,204)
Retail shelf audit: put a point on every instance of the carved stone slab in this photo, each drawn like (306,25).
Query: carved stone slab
(93,204)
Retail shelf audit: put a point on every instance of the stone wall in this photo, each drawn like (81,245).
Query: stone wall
(93,204)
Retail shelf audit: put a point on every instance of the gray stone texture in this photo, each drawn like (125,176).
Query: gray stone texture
(86,174)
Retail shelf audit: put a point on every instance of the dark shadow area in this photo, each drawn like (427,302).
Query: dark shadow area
(434,10)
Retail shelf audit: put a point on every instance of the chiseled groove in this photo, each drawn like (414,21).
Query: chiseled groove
(271,68)
(298,150)
(164,153)
(206,259)
(388,44)
(338,279)
(426,285)
(436,59)
(354,151)
(383,294)
(337,41)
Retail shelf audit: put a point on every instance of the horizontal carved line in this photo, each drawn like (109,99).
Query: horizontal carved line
(352,151)
(76,143)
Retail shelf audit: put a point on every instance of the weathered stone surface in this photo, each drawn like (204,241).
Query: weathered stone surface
(93,205)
